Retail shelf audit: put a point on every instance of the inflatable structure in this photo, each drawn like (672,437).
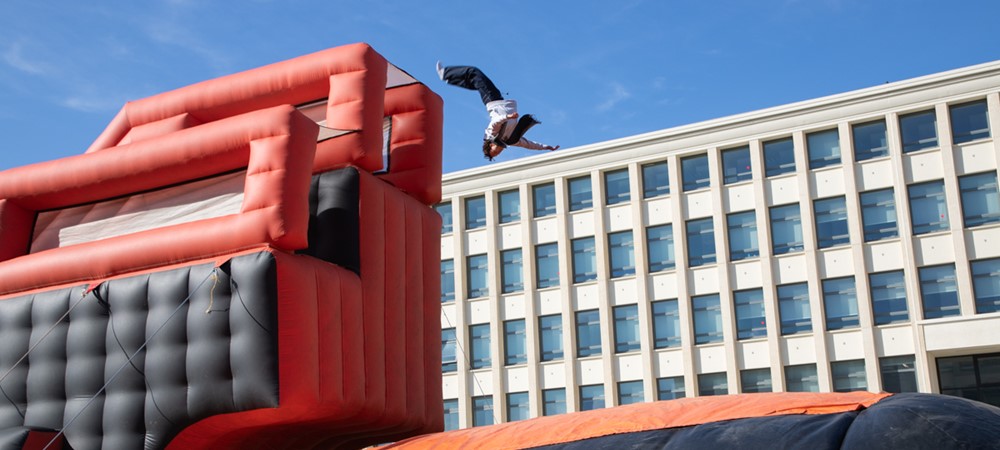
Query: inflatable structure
(855,420)
(247,262)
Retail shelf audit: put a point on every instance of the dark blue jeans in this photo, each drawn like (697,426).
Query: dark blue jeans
(472,78)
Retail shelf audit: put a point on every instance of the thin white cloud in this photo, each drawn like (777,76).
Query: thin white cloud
(92,103)
(618,94)
(14,56)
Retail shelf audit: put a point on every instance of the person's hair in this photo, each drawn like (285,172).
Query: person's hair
(487,149)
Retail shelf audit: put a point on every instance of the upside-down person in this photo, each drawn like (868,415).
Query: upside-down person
(506,127)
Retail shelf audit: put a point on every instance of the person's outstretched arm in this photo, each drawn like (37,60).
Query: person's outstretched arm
(532,145)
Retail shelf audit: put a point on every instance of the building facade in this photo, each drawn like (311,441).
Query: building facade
(850,242)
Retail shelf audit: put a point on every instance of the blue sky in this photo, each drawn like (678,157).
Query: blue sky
(590,70)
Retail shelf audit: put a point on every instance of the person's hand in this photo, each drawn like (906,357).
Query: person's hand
(512,116)
(551,148)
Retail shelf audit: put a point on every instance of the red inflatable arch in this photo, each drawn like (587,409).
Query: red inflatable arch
(247,262)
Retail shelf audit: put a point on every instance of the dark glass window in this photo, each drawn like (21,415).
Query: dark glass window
(939,291)
(588,333)
(514,342)
(975,377)
(793,306)
(449,363)
(475,212)
(694,172)
(878,215)
(550,337)
(707,319)
(547,265)
(899,374)
(482,411)
(928,210)
(511,275)
(701,242)
(831,222)
(554,401)
(919,130)
(655,180)
(478,279)
(786,229)
(849,376)
(447,281)
(888,291)
(591,397)
(742,235)
(750,321)
(616,187)
(666,324)
(755,380)
(986,285)
(517,406)
(669,388)
(712,384)
(779,157)
(584,260)
(980,199)
(869,140)
(801,378)
(626,328)
(660,245)
(736,165)
(544,198)
(451,414)
(580,194)
(479,348)
(840,302)
(444,210)
(969,121)
(510,206)
(622,254)
(824,148)
(630,392)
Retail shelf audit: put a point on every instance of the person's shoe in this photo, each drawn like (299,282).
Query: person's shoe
(440,70)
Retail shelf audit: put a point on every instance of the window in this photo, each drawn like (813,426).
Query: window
(975,377)
(584,260)
(547,265)
(888,290)
(986,285)
(779,157)
(669,388)
(622,255)
(479,351)
(510,206)
(554,401)
(831,222)
(655,180)
(919,130)
(517,406)
(514,342)
(512,280)
(899,374)
(938,291)
(736,165)
(849,376)
(707,319)
(591,397)
(482,411)
(928,211)
(750,321)
(544,197)
(840,302)
(451,414)
(475,212)
(477,272)
(550,337)
(742,235)
(630,392)
(755,380)
(626,328)
(980,200)
(878,215)
(588,333)
(969,121)
(666,324)
(824,148)
(616,187)
(444,210)
(660,245)
(801,378)
(447,281)
(580,193)
(793,305)
(712,384)
(694,172)
(701,242)
(869,140)
(786,229)
(449,363)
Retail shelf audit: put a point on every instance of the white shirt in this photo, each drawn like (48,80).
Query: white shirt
(499,111)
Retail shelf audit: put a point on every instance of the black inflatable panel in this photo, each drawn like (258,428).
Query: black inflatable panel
(334,220)
(214,354)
